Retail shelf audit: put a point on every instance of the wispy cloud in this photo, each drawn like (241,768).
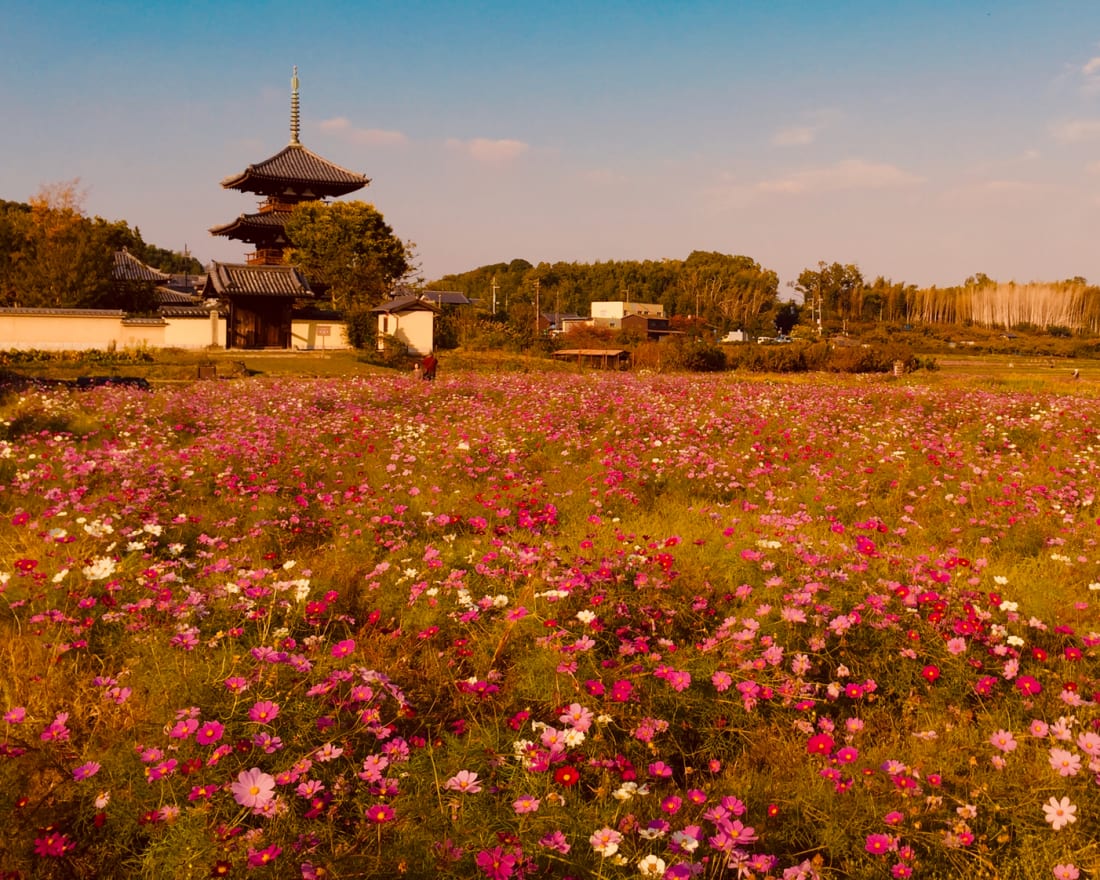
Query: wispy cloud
(1090,75)
(340,125)
(1076,130)
(807,131)
(795,136)
(488,150)
(849,174)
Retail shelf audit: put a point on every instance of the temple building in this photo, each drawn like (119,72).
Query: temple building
(262,292)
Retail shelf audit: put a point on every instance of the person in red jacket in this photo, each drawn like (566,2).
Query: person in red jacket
(428,365)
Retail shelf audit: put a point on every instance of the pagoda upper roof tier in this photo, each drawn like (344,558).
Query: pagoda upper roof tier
(296,174)
(254,228)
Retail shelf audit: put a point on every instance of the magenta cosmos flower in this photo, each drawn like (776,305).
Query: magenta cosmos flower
(209,733)
(263,711)
(253,788)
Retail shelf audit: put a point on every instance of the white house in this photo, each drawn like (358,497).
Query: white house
(611,314)
(410,320)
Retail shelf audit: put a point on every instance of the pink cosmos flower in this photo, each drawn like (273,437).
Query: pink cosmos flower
(1028,686)
(1066,872)
(879,843)
(555,841)
(1003,740)
(606,841)
(16,715)
(1059,813)
(379,814)
(209,733)
(577,717)
(496,863)
(820,744)
(526,804)
(344,648)
(86,771)
(53,844)
(236,684)
(464,781)
(1064,762)
(259,857)
(263,712)
(253,788)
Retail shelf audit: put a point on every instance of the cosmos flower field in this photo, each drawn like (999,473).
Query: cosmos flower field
(549,626)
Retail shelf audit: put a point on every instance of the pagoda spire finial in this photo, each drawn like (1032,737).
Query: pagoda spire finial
(294,142)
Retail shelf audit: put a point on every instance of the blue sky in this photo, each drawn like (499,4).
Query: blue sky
(922,141)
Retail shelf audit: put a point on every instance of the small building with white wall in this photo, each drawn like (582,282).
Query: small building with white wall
(611,314)
(408,319)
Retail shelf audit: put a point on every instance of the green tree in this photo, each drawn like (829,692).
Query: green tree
(833,290)
(786,316)
(348,251)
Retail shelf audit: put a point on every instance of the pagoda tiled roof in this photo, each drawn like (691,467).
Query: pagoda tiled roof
(129,268)
(299,169)
(250,227)
(238,279)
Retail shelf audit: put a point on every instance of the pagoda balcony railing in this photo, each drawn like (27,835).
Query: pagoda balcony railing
(265,257)
(272,204)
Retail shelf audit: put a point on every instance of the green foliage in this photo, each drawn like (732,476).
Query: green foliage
(362,328)
(347,250)
(703,358)
(726,291)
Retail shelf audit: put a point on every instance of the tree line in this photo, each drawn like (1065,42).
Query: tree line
(53,255)
(719,290)
(838,292)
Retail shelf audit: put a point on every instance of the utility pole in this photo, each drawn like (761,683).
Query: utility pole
(537,282)
(494,287)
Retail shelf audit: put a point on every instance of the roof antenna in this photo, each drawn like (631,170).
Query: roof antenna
(294,142)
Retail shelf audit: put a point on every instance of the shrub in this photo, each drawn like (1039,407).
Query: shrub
(362,328)
(702,357)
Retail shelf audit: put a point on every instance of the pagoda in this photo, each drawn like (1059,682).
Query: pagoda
(261,292)
(293,175)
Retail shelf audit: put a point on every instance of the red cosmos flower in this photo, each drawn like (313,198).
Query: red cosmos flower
(567,776)
(773,810)
(820,744)
(1039,654)
(1028,686)
(930,673)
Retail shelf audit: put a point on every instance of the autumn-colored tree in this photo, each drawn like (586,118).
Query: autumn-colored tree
(66,259)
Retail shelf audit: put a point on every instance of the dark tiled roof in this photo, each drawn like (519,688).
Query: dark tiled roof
(406,304)
(236,279)
(69,313)
(446,297)
(299,169)
(129,268)
(144,321)
(199,311)
(167,296)
(260,229)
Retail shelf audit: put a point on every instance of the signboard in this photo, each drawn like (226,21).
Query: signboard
(323,329)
